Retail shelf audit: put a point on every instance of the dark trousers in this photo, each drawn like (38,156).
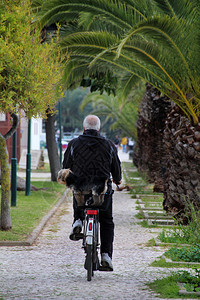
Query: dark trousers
(106,224)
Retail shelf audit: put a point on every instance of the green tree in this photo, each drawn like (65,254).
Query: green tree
(122,112)
(156,41)
(153,40)
(72,116)
(30,73)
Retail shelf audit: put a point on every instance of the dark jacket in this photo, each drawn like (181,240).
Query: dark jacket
(93,156)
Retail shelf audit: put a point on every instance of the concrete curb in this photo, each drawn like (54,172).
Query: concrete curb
(36,232)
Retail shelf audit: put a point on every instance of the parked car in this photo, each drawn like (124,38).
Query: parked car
(64,144)
(67,136)
(43,144)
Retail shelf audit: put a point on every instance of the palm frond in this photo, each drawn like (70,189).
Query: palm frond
(169,32)
(128,81)
(62,17)
(100,40)
(93,45)
(86,19)
(91,22)
(83,54)
(124,118)
(114,10)
(143,8)
(176,8)
(156,41)
(36,5)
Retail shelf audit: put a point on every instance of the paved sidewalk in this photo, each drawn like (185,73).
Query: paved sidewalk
(36,176)
(53,268)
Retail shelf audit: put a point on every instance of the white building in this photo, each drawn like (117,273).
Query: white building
(36,132)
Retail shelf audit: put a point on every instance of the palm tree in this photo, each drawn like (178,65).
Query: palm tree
(122,113)
(152,46)
(149,155)
(156,41)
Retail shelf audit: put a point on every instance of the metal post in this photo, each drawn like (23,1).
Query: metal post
(14,171)
(28,161)
(60,129)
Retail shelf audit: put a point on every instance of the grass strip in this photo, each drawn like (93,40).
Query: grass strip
(137,180)
(168,288)
(31,209)
(161,263)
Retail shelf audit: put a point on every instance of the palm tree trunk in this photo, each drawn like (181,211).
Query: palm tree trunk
(182,185)
(148,154)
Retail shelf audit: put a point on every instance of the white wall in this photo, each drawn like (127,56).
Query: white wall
(36,130)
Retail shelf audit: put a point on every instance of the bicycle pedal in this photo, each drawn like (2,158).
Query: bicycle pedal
(79,236)
(105,268)
(76,236)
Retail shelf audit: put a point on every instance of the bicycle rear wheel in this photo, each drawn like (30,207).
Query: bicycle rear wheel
(89,262)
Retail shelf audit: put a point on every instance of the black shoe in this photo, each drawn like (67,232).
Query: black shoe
(76,234)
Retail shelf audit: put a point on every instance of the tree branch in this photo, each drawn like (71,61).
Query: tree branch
(13,128)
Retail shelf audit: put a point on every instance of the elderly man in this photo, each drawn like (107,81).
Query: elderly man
(91,157)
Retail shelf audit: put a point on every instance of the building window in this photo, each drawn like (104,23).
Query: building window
(2,117)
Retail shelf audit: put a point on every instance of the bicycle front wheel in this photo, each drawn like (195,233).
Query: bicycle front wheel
(89,260)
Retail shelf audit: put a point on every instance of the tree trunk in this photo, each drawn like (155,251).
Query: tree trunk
(5,186)
(182,184)
(52,147)
(5,222)
(148,154)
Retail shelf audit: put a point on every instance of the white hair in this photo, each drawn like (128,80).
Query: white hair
(92,122)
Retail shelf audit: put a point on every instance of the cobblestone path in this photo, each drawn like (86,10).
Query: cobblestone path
(53,268)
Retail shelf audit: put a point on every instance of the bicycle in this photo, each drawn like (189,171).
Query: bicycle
(90,236)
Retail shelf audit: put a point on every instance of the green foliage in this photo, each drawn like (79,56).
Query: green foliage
(185,234)
(29,70)
(168,287)
(191,281)
(74,109)
(72,115)
(161,263)
(121,112)
(188,254)
(101,82)
(157,41)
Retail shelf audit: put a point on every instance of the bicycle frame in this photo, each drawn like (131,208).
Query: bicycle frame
(90,234)
(91,240)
